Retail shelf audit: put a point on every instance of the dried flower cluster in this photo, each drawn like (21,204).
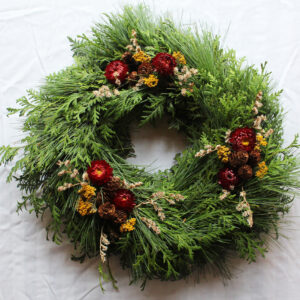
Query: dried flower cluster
(158,196)
(137,68)
(244,207)
(207,150)
(128,226)
(185,78)
(151,225)
(224,153)
(262,170)
(104,242)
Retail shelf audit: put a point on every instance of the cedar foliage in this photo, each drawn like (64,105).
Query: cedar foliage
(64,120)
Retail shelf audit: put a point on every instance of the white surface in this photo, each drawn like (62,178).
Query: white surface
(33,44)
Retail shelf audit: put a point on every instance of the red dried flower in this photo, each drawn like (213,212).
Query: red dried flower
(164,63)
(243,139)
(227,178)
(116,70)
(100,172)
(124,199)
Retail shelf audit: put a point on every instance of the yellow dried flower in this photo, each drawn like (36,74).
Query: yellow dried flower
(179,57)
(85,208)
(224,153)
(141,56)
(151,81)
(261,140)
(128,226)
(87,192)
(262,171)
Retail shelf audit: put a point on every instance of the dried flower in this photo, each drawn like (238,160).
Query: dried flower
(87,192)
(179,57)
(151,81)
(243,139)
(85,207)
(116,70)
(151,225)
(104,242)
(100,172)
(124,199)
(262,171)
(142,57)
(224,194)
(74,173)
(245,207)
(227,178)
(128,226)
(223,153)
(268,133)
(103,91)
(261,140)
(164,64)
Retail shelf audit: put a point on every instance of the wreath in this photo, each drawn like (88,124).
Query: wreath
(227,190)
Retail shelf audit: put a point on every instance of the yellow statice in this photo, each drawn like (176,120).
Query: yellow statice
(128,226)
(261,140)
(179,57)
(85,207)
(223,154)
(262,170)
(141,56)
(87,192)
(151,81)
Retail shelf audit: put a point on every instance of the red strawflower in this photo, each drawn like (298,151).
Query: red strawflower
(164,63)
(124,200)
(100,172)
(116,70)
(243,139)
(227,178)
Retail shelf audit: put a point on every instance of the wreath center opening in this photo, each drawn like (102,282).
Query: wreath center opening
(156,145)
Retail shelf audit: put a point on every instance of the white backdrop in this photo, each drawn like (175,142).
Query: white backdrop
(33,44)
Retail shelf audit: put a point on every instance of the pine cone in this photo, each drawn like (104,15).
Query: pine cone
(114,184)
(107,210)
(145,69)
(238,158)
(101,198)
(132,76)
(120,216)
(254,157)
(127,58)
(245,172)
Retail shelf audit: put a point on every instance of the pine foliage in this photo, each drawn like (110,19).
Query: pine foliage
(64,120)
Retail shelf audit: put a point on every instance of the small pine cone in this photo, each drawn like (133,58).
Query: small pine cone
(114,184)
(254,157)
(245,172)
(127,58)
(238,158)
(107,210)
(133,76)
(101,198)
(145,69)
(120,216)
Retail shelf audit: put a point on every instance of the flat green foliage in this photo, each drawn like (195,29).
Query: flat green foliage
(64,120)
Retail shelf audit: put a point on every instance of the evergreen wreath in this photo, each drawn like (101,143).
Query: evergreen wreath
(226,192)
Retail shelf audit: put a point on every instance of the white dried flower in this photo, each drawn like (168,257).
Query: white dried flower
(116,92)
(183,92)
(269,132)
(61,173)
